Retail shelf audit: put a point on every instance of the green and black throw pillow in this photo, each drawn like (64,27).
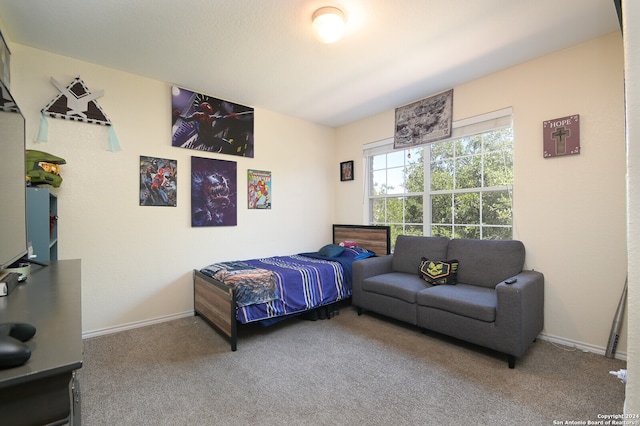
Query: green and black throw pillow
(438,272)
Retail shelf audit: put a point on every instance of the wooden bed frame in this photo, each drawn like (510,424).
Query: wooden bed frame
(216,302)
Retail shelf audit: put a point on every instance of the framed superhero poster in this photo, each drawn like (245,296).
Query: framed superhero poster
(209,124)
(346,170)
(214,192)
(259,189)
(158,181)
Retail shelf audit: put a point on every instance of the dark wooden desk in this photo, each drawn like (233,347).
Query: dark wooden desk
(39,391)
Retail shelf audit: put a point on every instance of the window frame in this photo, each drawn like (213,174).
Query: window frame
(464,128)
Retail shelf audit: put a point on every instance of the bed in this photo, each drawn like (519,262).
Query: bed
(269,289)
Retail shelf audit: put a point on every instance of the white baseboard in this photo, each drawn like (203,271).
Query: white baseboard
(137,324)
(572,344)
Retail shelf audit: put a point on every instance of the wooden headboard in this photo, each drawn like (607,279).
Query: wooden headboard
(374,238)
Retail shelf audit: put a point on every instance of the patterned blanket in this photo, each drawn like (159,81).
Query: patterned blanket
(252,285)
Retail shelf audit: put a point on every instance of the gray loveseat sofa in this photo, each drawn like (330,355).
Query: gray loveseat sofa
(480,308)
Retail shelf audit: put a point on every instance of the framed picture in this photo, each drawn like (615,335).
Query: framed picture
(346,170)
(259,189)
(214,192)
(424,121)
(209,124)
(561,136)
(158,181)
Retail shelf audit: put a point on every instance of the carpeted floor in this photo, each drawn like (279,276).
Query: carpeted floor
(349,370)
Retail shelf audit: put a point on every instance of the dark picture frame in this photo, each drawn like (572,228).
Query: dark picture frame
(214,192)
(158,181)
(425,121)
(346,170)
(209,124)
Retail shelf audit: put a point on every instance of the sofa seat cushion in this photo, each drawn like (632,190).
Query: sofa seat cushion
(462,299)
(395,284)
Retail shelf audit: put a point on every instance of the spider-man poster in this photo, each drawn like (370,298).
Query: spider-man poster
(209,124)
(214,192)
(158,181)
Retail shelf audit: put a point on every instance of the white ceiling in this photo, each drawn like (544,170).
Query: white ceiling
(261,53)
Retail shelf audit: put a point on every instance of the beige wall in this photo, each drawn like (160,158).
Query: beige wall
(137,261)
(569,211)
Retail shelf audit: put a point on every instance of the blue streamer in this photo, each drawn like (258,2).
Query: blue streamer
(114,145)
(43,129)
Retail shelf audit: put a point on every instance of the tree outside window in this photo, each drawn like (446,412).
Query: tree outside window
(466,194)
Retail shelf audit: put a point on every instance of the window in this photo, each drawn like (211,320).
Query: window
(466,193)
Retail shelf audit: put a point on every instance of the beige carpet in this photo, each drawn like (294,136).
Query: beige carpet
(349,370)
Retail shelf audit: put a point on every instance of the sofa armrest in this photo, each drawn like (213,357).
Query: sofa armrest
(520,311)
(370,267)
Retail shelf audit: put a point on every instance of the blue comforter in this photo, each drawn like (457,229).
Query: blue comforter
(345,262)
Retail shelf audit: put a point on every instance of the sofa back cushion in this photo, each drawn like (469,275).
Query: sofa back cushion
(486,262)
(410,250)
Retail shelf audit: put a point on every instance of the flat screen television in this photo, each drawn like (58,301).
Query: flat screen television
(13,203)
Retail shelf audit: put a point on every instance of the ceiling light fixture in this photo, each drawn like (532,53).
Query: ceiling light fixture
(328,24)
